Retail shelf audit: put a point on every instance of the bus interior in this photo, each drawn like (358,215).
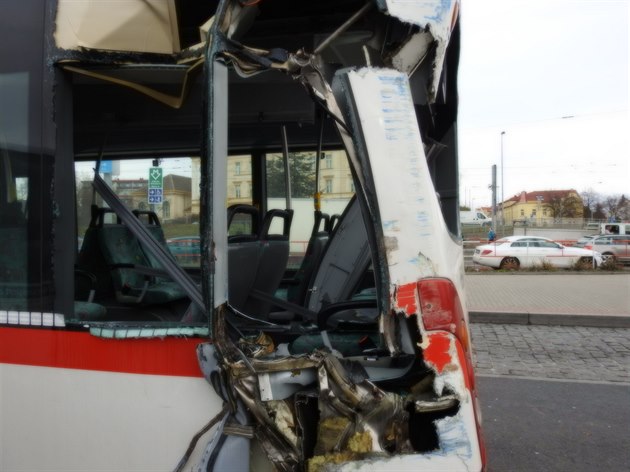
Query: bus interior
(262,232)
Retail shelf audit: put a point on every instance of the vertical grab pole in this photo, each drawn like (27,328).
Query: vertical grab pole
(287,173)
(317,196)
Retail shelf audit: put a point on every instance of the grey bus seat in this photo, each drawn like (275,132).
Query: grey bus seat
(344,263)
(122,255)
(297,288)
(243,252)
(85,309)
(14,291)
(274,255)
(155,228)
(126,259)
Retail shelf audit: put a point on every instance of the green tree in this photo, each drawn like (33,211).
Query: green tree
(302,169)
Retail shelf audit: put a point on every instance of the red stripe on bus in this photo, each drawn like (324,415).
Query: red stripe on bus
(80,350)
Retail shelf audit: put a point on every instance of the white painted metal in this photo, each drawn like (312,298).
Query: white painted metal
(417,240)
(80,420)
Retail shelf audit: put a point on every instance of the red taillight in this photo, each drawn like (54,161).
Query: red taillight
(485,252)
(441,309)
(588,246)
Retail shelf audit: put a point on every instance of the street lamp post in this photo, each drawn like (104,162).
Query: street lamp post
(502,183)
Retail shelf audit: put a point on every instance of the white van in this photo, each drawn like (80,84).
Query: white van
(474,218)
(614,228)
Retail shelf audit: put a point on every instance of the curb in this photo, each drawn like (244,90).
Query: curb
(548,319)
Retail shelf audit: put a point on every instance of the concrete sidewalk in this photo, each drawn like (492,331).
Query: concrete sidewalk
(567,299)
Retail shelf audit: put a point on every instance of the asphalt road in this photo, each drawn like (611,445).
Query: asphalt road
(546,425)
(554,398)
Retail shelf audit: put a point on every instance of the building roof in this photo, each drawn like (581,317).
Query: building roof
(177,182)
(548,195)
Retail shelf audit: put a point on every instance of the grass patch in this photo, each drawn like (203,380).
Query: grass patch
(582,265)
(609,265)
(544,266)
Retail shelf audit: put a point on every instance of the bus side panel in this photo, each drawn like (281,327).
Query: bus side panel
(95,418)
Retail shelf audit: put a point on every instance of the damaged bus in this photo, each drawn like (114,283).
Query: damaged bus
(229,237)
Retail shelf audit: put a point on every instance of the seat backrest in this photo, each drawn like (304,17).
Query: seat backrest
(114,249)
(243,253)
(155,229)
(314,250)
(120,247)
(243,222)
(344,263)
(91,258)
(274,255)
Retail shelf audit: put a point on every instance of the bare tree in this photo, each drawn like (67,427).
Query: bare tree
(612,206)
(567,207)
(598,211)
(589,198)
(625,214)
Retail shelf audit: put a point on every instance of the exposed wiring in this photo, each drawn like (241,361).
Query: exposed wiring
(250,318)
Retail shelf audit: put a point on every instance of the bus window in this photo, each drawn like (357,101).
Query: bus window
(25,211)
(122,271)
(240,192)
(335,189)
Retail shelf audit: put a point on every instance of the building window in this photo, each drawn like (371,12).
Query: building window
(237,190)
(544,212)
(237,168)
(522,212)
(166,209)
(328,159)
(329,186)
(534,212)
(351,182)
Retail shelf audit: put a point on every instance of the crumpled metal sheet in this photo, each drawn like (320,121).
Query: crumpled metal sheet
(435,19)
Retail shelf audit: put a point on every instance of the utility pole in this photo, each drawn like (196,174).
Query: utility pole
(502,184)
(493,187)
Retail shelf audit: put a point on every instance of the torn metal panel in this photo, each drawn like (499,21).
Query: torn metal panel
(118,25)
(435,20)
(174,101)
(359,424)
(409,211)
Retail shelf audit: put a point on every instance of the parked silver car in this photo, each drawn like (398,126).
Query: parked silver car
(614,247)
(514,252)
(584,240)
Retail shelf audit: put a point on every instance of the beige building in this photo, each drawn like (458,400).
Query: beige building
(335,177)
(543,208)
(176,204)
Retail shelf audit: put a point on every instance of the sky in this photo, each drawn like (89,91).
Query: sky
(552,75)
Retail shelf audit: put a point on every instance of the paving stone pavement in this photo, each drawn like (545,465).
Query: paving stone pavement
(552,352)
(597,294)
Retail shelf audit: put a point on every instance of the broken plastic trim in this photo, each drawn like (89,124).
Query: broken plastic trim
(169,100)
(147,332)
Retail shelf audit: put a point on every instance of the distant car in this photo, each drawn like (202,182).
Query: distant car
(584,240)
(513,252)
(186,249)
(612,247)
